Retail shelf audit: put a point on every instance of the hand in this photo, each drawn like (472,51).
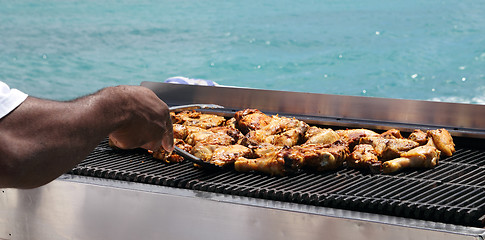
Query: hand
(42,139)
(147,124)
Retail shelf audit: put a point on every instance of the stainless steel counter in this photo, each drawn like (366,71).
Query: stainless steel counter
(76,207)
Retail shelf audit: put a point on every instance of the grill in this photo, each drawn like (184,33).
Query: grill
(117,194)
(453,192)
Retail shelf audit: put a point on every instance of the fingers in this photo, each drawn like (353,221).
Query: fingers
(149,124)
(152,146)
(167,143)
(167,138)
(121,139)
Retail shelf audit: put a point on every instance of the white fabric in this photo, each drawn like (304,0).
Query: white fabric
(191,81)
(9,99)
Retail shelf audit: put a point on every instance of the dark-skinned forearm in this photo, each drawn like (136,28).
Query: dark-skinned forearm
(43,139)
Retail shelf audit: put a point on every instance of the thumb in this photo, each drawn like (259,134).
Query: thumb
(152,146)
(167,142)
(167,137)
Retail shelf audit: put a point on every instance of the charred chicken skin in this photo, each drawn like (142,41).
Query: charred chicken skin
(389,148)
(272,163)
(179,131)
(267,158)
(220,155)
(419,137)
(392,134)
(316,156)
(231,123)
(277,135)
(264,149)
(260,128)
(198,119)
(209,137)
(319,157)
(251,119)
(364,157)
(232,132)
(353,136)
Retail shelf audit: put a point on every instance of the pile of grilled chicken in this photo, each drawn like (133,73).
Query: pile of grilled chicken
(254,141)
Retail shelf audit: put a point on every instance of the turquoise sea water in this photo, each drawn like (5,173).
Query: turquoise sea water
(426,50)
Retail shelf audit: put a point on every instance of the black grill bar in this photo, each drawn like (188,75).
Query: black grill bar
(453,192)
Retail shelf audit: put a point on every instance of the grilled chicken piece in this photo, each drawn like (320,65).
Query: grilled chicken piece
(161,154)
(389,148)
(257,137)
(228,154)
(180,131)
(419,137)
(251,119)
(272,164)
(352,136)
(443,141)
(278,125)
(267,160)
(392,134)
(206,136)
(265,149)
(320,135)
(196,135)
(419,157)
(287,138)
(204,151)
(365,157)
(198,119)
(175,120)
(280,131)
(220,155)
(282,124)
(430,142)
(232,132)
(319,157)
(231,123)
(427,154)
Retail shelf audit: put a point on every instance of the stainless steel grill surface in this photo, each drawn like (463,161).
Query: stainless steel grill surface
(452,192)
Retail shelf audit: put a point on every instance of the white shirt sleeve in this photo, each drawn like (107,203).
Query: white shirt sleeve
(9,99)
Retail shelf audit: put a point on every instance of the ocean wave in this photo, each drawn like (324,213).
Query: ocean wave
(474,100)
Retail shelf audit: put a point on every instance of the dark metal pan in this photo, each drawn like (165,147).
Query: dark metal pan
(194,106)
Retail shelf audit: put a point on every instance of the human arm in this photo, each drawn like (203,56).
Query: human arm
(42,139)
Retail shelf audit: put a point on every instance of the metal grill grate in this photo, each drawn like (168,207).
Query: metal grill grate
(453,192)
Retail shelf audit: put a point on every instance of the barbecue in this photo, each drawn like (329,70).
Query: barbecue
(446,201)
